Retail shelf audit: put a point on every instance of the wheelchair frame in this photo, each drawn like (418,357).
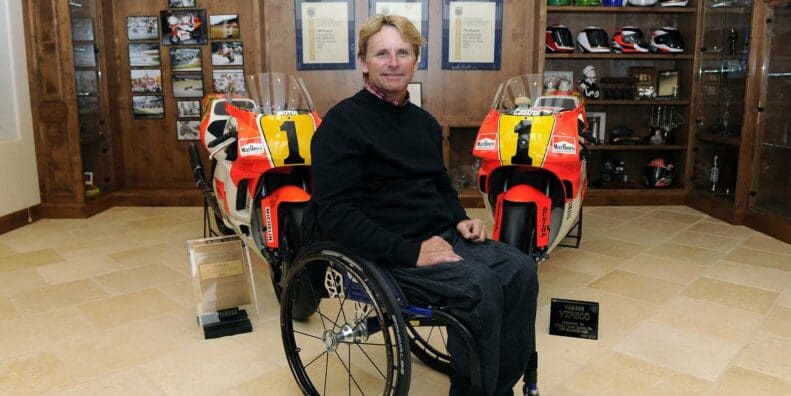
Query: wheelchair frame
(343,276)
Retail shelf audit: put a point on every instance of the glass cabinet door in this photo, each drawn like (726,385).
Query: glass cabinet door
(772,184)
(720,95)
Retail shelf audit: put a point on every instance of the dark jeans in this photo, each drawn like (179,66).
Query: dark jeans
(493,291)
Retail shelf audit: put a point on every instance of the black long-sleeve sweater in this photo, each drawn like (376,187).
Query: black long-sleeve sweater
(380,184)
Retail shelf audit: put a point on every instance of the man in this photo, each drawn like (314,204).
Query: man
(381,189)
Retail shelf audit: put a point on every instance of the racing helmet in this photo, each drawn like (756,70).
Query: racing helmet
(558,2)
(658,173)
(613,3)
(642,3)
(673,3)
(629,39)
(559,39)
(593,39)
(667,39)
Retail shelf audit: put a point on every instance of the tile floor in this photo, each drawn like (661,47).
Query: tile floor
(689,306)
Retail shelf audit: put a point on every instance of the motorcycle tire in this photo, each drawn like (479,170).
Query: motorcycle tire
(290,242)
(518,227)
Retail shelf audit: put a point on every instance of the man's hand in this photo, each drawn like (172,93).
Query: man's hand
(472,230)
(435,251)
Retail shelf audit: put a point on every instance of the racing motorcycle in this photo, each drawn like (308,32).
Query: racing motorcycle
(533,165)
(259,146)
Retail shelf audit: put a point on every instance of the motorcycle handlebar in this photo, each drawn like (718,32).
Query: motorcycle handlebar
(219,140)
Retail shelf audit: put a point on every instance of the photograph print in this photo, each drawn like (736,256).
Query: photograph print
(224,26)
(187,27)
(140,28)
(228,80)
(181,3)
(187,129)
(188,108)
(146,80)
(144,54)
(148,106)
(227,53)
(185,59)
(86,82)
(84,55)
(187,85)
(82,29)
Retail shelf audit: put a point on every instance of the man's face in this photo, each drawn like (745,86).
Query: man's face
(390,62)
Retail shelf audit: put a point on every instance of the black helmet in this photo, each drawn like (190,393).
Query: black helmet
(559,39)
(593,39)
(658,173)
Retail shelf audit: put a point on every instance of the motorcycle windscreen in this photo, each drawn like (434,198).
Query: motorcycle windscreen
(278,94)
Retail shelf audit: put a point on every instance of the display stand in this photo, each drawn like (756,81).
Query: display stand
(222,283)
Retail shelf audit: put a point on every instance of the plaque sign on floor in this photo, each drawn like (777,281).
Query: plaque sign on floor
(222,284)
(572,318)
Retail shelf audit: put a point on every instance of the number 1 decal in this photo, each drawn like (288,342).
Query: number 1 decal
(289,127)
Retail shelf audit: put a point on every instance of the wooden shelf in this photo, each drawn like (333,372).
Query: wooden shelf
(612,55)
(727,140)
(623,10)
(627,102)
(634,194)
(635,147)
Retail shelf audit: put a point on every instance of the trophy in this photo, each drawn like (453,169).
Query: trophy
(732,36)
(714,174)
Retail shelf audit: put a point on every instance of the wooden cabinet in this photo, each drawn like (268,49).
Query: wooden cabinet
(624,111)
(66,62)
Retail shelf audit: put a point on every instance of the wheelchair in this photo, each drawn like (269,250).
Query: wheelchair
(363,330)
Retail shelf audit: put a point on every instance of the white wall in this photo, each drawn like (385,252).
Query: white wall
(19,177)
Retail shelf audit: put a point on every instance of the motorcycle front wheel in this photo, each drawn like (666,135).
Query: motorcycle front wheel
(290,244)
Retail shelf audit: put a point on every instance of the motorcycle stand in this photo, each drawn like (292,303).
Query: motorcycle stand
(575,233)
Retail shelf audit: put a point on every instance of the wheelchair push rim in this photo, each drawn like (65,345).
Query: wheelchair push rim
(356,342)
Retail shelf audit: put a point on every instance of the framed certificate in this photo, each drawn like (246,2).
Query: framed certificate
(325,34)
(472,34)
(414,10)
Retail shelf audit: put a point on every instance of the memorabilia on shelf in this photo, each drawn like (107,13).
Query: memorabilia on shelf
(645,81)
(224,26)
(714,174)
(617,88)
(558,81)
(589,86)
(597,122)
(227,53)
(667,85)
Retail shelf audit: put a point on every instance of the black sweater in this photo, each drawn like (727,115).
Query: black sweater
(380,184)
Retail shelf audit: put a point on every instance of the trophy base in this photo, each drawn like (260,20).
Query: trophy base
(229,322)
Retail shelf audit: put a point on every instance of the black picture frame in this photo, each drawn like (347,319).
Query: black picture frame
(223,80)
(181,3)
(187,85)
(186,59)
(146,81)
(301,34)
(224,26)
(184,27)
(227,53)
(187,129)
(142,28)
(148,106)
(497,35)
(144,55)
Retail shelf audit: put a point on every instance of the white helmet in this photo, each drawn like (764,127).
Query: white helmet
(593,39)
(642,3)
(673,3)
(667,40)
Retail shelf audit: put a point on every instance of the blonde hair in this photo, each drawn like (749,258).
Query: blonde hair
(375,23)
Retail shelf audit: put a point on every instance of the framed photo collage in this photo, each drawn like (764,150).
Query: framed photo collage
(181,35)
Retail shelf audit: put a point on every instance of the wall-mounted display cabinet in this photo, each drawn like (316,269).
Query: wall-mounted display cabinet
(616,166)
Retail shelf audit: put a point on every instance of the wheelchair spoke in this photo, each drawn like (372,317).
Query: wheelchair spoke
(316,358)
(371,360)
(348,370)
(326,372)
(306,334)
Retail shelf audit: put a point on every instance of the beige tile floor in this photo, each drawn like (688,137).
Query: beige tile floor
(689,306)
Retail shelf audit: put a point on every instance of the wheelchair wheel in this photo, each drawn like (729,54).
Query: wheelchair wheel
(357,342)
(428,341)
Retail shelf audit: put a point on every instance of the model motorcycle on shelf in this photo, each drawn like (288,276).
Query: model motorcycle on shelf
(259,185)
(533,165)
